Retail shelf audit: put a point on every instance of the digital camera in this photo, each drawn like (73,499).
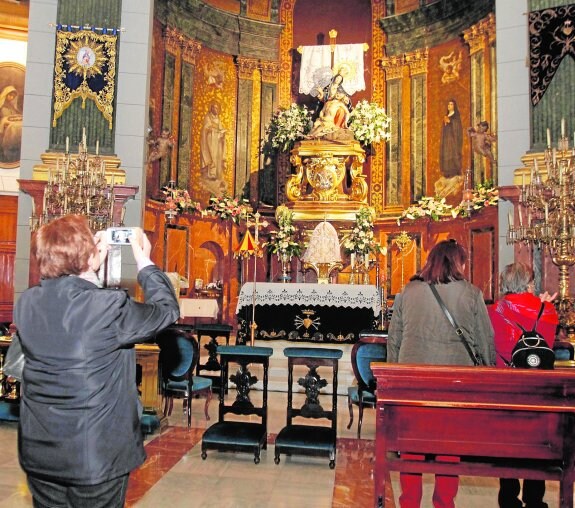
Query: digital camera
(119,236)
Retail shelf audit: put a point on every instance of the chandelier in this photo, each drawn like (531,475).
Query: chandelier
(77,186)
(547,216)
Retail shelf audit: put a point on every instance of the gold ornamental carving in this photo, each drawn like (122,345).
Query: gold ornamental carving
(322,167)
(246,67)
(417,61)
(190,50)
(480,35)
(270,71)
(393,66)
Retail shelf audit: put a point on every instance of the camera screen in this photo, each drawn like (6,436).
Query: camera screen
(120,236)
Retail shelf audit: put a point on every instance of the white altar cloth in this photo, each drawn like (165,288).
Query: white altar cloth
(335,295)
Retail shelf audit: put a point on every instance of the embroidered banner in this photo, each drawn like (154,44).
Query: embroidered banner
(551,37)
(85,68)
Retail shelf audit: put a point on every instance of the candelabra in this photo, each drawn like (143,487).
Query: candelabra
(547,219)
(77,186)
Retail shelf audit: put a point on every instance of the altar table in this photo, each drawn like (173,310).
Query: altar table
(328,313)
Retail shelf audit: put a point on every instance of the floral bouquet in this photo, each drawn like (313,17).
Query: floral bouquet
(285,128)
(283,243)
(484,194)
(369,123)
(361,239)
(179,201)
(431,207)
(228,208)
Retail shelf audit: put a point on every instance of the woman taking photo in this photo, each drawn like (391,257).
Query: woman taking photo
(420,333)
(79,432)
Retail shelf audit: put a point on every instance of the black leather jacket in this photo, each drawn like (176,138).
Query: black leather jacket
(78,415)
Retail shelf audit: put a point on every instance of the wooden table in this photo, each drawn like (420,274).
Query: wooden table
(506,423)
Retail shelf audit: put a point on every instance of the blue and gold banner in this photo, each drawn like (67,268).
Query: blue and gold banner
(85,68)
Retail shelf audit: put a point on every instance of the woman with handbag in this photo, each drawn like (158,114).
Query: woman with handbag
(424,330)
(79,432)
(518,307)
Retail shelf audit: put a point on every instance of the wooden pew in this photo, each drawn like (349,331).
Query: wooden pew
(502,423)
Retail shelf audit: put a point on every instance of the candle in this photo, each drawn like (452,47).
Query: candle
(352,260)
(84,136)
(367,260)
(68,143)
(510,219)
(97,146)
(562,127)
(548,137)
(546,212)
(523,181)
(520,217)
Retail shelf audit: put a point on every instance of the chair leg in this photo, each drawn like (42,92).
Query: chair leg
(350,406)
(360,418)
(208,399)
(189,410)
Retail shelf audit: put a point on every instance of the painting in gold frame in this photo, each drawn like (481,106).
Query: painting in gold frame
(12,76)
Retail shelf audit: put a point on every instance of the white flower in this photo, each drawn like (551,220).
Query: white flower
(369,123)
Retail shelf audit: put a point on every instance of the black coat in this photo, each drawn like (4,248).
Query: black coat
(78,415)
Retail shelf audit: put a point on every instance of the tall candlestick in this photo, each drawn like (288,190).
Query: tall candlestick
(548,137)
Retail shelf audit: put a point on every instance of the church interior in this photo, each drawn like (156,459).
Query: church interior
(293,163)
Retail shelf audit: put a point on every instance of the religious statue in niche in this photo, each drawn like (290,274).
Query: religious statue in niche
(450,147)
(482,140)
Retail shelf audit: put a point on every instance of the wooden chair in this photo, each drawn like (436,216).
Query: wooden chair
(300,439)
(179,353)
(242,425)
(371,347)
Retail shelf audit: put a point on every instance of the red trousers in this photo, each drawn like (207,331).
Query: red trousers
(412,486)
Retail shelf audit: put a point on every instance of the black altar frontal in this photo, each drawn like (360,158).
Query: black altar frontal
(320,313)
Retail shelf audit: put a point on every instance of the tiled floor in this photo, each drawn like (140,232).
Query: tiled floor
(175,475)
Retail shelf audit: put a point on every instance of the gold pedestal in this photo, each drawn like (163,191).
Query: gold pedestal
(317,190)
(323,270)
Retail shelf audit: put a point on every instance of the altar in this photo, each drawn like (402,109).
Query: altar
(318,313)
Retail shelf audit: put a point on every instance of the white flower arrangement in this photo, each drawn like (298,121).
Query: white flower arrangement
(369,123)
(361,239)
(283,243)
(436,209)
(285,128)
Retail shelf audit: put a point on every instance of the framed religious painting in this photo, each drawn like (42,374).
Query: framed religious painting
(11,97)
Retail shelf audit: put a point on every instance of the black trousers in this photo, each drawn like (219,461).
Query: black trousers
(533,492)
(48,494)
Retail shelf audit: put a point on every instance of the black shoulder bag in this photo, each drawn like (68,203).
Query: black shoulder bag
(477,360)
